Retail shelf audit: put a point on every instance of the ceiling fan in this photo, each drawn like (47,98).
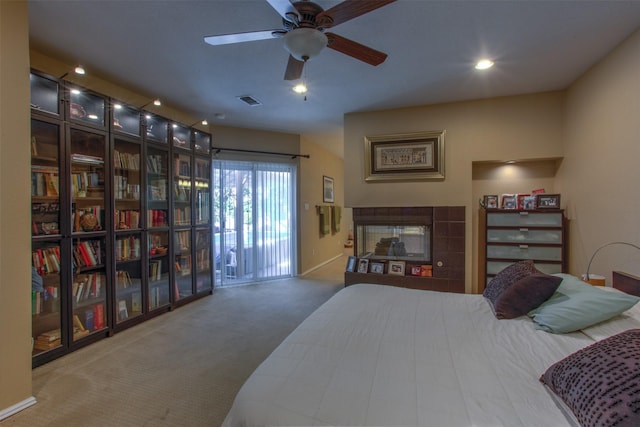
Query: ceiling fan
(304,25)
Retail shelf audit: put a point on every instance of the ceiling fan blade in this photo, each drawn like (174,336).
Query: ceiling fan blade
(355,50)
(350,9)
(284,8)
(294,69)
(241,37)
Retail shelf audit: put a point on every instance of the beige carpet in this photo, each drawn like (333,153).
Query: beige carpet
(183,368)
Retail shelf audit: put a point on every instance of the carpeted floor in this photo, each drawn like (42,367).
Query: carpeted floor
(183,368)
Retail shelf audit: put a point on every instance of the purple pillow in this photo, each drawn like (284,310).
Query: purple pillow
(507,277)
(525,295)
(601,382)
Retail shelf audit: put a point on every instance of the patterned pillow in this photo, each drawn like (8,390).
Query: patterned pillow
(601,382)
(525,295)
(507,277)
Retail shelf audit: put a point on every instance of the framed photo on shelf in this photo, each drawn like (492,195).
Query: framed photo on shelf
(327,189)
(377,267)
(548,201)
(404,157)
(520,200)
(396,267)
(415,270)
(529,202)
(491,201)
(363,265)
(351,264)
(509,201)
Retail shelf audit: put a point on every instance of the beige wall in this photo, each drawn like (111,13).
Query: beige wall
(15,248)
(599,175)
(319,249)
(519,127)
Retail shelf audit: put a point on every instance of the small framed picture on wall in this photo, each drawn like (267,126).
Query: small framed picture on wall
(327,190)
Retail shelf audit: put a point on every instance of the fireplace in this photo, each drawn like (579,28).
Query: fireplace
(429,237)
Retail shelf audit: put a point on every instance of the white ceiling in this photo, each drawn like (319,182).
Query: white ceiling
(156,48)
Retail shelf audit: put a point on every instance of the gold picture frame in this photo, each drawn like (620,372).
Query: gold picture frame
(405,157)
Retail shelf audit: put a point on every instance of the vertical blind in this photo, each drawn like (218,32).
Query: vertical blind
(254,215)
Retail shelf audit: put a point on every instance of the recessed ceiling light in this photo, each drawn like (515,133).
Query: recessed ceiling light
(484,64)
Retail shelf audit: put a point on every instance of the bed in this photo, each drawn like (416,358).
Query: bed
(383,355)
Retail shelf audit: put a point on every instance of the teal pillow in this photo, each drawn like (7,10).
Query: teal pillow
(576,305)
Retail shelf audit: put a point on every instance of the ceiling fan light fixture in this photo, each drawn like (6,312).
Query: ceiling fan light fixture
(484,64)
(300,88)
(305,43)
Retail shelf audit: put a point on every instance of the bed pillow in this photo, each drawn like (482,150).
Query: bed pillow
(577,305)
(600,383)
(525,295)
(507,277)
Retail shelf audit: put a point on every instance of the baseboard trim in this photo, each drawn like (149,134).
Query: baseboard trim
(321,265)
(13,409)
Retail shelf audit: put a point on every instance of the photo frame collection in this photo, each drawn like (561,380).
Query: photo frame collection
(538,199)
(398,268)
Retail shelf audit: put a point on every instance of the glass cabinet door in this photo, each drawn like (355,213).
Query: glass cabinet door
(202,202)
(45,296)
(46,291)
(158,283)
(126,184)
(45,178)
(86,107)
(182,264)
(44,94)
(126,119)
(128,279)
(204,278)
(156,128)
(182,189)
(157,188)
(203,142)
(87,181)
(89,286)
(159,262)
(181,136)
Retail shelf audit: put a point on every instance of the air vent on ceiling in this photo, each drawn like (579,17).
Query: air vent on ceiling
(249,100)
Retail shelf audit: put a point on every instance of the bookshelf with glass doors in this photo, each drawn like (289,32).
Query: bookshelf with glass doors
(113,217)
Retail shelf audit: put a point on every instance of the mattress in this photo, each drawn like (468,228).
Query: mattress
(382,355)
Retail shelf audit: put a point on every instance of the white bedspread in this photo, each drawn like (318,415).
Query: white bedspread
(387,356)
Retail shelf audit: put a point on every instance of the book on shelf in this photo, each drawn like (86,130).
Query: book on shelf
(88,320)
(136,302)
(48,340)
(124,160)
(123,280)
(98,316)
(155,270)
(77,323)
(122,310)
(86,158)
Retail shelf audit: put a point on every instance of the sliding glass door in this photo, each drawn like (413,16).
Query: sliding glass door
(254,221)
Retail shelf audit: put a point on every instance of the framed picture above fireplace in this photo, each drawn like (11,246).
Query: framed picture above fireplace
(404,157)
